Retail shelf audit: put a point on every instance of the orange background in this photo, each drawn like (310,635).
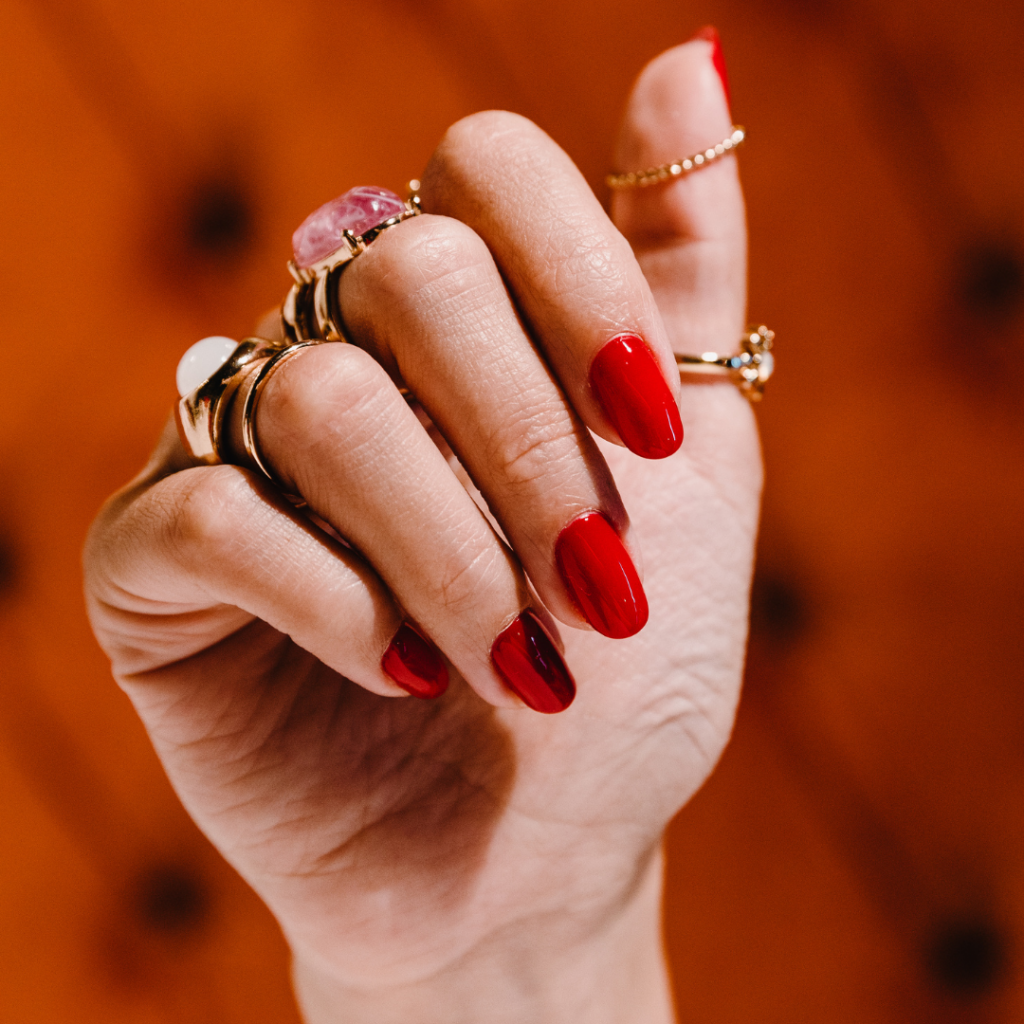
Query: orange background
(858,854)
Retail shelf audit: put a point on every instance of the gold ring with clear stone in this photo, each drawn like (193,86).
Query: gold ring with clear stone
(749,369)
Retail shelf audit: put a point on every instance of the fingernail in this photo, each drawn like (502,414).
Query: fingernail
(710,34)
(528,661)
(631,389)
(415,664)
(599,574)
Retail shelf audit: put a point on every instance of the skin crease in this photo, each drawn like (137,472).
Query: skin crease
(463,859)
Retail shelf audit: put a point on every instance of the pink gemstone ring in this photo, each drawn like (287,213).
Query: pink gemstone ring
(324,244)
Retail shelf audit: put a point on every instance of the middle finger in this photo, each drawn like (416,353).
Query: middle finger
(427,300)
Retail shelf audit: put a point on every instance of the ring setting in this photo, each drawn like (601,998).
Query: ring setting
(750,369)
(324,244)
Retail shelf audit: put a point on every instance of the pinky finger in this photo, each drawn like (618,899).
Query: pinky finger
(201,553)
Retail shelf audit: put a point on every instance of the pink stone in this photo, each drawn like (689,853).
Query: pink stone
(359,209)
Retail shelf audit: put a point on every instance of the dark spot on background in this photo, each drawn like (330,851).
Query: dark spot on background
(777,608)
(171,898)
(219,219)
(966,957)
(991,282)
(8,566)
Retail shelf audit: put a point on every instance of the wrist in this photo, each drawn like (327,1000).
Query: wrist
(523,975)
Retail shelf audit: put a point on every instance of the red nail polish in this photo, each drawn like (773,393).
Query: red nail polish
(528,661)
(599,574)
(415,664)
(629,385)
(710,34)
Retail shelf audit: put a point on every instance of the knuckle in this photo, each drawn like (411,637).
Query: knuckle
(428,255)
(542,449)
(489,131)
(495,139)
(326,383)
(204,512)
(474,572)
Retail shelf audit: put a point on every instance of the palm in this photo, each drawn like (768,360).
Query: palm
(361,818)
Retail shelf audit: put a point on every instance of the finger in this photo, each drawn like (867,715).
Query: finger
(573,275)
(427,300)
(689,234)
(332,427)
(201,553)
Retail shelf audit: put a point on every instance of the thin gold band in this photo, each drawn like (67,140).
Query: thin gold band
(252,400)
(677,168)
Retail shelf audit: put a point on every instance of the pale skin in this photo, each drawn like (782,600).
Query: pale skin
(463,860)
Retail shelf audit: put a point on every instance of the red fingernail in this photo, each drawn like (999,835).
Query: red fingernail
(415,664)
(628,383)
(599,574)
(528,661)
(710,34)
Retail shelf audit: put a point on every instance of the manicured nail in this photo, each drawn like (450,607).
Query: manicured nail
(631,389)
(528,661)
(600,576)
(710,34)
(415,664)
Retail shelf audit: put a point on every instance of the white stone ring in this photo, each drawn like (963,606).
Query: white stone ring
(208,376)
(323,245)
(749,369)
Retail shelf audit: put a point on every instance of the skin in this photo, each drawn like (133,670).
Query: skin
(463,859)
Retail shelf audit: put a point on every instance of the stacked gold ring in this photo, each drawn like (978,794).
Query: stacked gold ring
(201,412)
(252,400)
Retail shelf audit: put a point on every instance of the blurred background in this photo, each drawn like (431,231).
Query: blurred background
(859,854)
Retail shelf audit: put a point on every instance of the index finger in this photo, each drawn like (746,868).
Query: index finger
(571,272)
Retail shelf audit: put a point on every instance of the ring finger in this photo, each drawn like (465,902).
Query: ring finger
(333,428)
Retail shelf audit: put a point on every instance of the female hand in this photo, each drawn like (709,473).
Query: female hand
(465,858)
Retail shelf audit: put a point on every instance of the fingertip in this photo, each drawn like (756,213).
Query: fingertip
(532,667)
(679,104)
(628,381)
(709,34)
(415,664)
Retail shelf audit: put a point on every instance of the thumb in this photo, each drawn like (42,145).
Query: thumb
(688,233)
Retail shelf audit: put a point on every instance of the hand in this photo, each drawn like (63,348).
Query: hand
(464,858)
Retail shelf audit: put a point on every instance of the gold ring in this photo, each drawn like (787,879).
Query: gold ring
(666,172)
(200,412)
(252,400)
(749,369)
(310,311)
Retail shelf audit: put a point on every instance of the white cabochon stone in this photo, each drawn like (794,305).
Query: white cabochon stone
(201,361)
